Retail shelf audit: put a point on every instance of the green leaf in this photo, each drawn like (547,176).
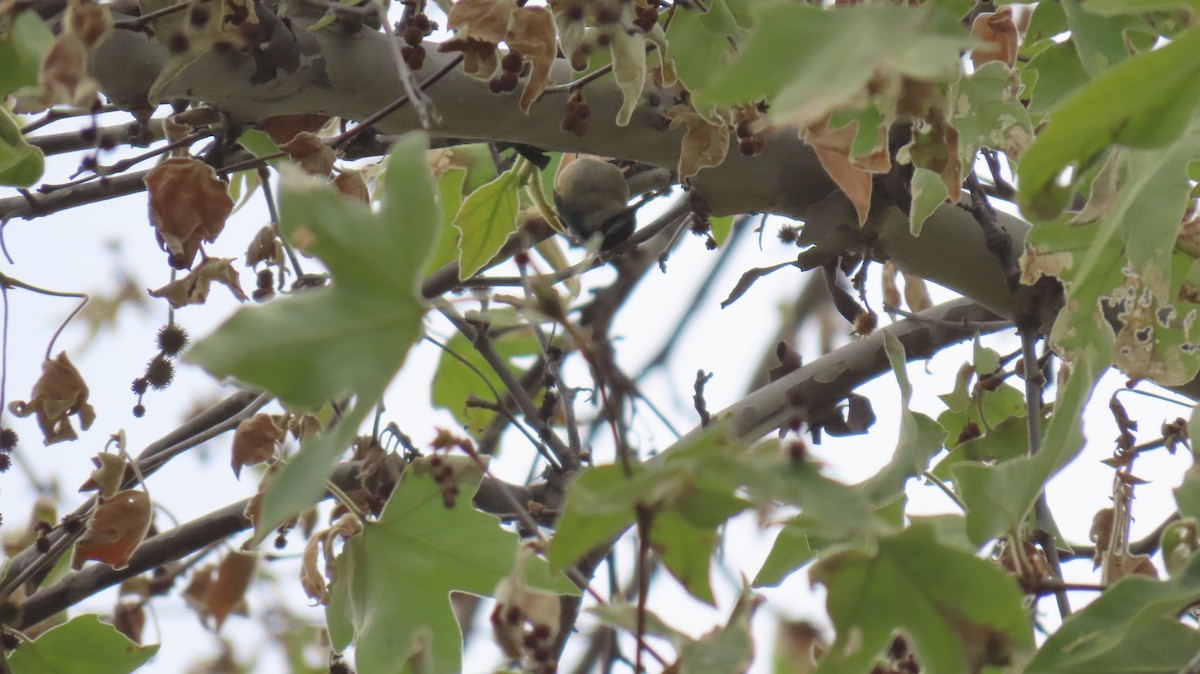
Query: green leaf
(1131,627)
(928,192)
(1187,494)
(1112,7)
(1059,76)
(24,41)
(487,218)
(21,164)
(793,548)
(720,228)
(999,497)
(728,648)
(453,381)
(701,41)
(960,612)
(1048,20)
(450,198)
(348,338)
(82,645)
(259,144)
(1098,40)
(1144,102)
(393,584)
(919,439)
(807,60)
(1179,542)
(986,113)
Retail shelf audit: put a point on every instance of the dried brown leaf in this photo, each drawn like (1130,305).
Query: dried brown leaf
(833,150)
(188,205)
(485,20)
(115,529)
(531,33)
(194,288)
(264,247)
(255,441)
(108,475)
(353,186)
(916,293)
(997,35)
(228,592)
(310,153)
(704,145)
(57,394)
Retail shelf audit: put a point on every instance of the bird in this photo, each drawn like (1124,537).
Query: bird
(592,198)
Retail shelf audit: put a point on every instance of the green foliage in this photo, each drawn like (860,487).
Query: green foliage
(348,338)
(1145,102)
(455,381)
(961,612)
(391,598)
(800,59)
(1132,626)
(24,40)
(486,219)
(82,645)
(21,164)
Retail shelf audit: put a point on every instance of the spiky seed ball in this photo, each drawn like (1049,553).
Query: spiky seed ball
(139,386)
(5,462)
(171,339)
(159,372)
(8,440)
(139,410)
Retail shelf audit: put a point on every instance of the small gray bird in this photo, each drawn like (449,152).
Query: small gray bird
(592,197)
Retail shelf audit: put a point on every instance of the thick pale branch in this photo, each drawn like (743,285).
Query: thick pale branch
(352,76)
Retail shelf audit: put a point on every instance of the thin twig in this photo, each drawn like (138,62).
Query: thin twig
(1033,416)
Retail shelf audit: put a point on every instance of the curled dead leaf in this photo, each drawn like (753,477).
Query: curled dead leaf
(353,186)
(91,21)
(227,594)
(525,621)
(129,618)
(485,20)
(997,38)
(531,33)
(57,394)
(936,149)
(115,529)
(108,475)
(479,56)
(891,291)
(264,247)
(188,205)
(63,80)
(629,69)
(193,288)
(255,441)
(704,145)
(833,150)
(312,576)
(916,293)
(310,153)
